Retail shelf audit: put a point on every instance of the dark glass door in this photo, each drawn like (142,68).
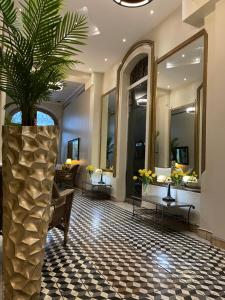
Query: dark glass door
(136,136)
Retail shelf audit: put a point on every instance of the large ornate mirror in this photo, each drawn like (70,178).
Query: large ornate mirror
(108,131)
(180,104)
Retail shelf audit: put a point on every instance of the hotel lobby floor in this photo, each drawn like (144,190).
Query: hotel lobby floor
(111,255)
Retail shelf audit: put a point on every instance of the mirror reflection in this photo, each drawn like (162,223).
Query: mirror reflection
(179,102)
(108,128)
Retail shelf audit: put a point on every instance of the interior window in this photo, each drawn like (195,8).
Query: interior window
(43,119)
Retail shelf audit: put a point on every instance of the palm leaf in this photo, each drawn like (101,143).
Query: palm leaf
(8,12)
(70,32)
(38,53)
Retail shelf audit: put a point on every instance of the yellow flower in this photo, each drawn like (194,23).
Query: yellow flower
(149,172)
(140,171)
(90,168)
(153,175)
(147,175)
(135,178)
(176,176)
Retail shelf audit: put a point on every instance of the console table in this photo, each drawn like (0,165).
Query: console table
(161,205)
(96,190)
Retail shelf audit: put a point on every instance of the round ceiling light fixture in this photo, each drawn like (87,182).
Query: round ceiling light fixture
(132,3)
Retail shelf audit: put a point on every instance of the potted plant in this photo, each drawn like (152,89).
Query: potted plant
(38,48)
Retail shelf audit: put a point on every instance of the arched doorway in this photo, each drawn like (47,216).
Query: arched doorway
(135,84)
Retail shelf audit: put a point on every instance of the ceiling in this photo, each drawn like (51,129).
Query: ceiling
(116,23)
(69,89)
(183,67)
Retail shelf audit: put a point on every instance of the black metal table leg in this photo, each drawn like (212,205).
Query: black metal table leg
(162,212)
(133,207)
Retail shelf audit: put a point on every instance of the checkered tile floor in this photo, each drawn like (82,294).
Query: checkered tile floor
(111,255)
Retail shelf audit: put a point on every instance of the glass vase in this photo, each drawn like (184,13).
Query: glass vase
(145,189)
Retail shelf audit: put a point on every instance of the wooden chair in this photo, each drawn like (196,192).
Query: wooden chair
(61,210)
(67,177)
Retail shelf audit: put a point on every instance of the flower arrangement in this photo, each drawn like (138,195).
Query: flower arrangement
(100,172)
(193,177)
(177,177)
(90,169)
(145,176)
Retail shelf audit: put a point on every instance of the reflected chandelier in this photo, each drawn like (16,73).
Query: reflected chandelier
(132,3)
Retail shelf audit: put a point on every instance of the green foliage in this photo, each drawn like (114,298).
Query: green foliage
(39,46)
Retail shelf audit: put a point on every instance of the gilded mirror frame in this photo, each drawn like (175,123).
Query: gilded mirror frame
(115,133)
(202,87)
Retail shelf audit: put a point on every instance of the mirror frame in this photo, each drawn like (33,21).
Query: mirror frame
(203,86)
(115,133)
(151,45)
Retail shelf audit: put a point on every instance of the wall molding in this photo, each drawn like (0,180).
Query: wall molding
(195,11)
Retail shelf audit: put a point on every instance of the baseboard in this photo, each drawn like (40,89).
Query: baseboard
(218,242)
(207,235)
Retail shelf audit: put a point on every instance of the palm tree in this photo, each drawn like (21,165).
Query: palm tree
(38,48)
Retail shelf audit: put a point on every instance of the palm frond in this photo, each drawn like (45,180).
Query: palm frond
(37,53)
(8,11)
(39,17)
(70,32)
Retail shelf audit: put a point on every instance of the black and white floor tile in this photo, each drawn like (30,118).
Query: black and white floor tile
(112,255)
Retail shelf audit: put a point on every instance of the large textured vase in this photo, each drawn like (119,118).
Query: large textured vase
(29,156)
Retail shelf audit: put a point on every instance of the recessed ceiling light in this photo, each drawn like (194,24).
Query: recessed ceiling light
(185,78)
(196,60)
(183,55)
(168,86)
(96,31)
(90,69)
(152,12)
(106,59)
(132,3)
(170,65)
(142,102)
(190,110)
(124,40)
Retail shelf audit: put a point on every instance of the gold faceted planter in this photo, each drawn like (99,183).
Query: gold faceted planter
(29,157)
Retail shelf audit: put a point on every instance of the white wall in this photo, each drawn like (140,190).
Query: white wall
(110,79)
(95,117)
(163,130)
(184,95)
(213,195)
(76,124)
(167,36)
